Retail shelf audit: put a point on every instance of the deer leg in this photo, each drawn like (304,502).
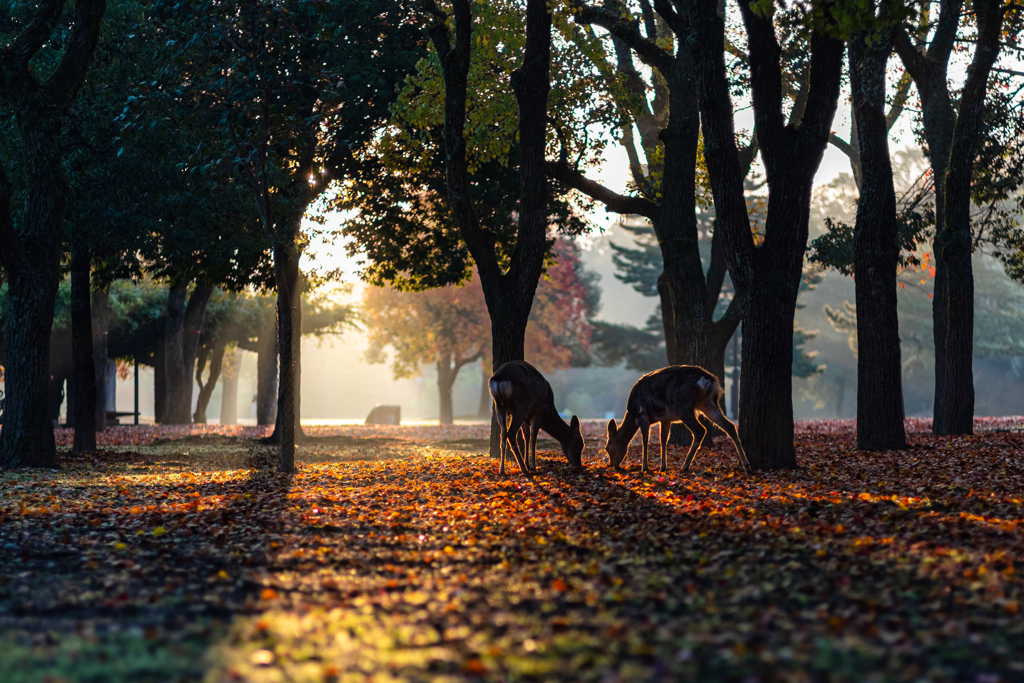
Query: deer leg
(503,443)
(666,428)
(514,429)
(534,430)
(729,428)
(698,431)
(645,432)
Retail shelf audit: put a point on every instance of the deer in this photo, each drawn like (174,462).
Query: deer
(523,398)
(673,394)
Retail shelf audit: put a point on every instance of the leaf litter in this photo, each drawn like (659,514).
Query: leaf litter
(390,555)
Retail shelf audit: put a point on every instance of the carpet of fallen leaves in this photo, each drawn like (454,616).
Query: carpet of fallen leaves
(400,554)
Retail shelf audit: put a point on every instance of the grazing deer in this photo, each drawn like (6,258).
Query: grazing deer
(522,397)
(673,394)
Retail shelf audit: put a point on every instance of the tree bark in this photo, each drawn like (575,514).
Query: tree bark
(766,276)
(84,384)
(206,389)
(880,416)
(175,372)
(229,388)
(445,380)
(100,331)
(184,324)
(159,382)
(30,253)
(951,136)
(266,372)
(289,335)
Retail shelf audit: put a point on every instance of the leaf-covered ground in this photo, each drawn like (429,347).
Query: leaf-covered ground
(400,554)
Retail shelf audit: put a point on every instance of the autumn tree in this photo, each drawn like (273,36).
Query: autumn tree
(290,92)
(448,327)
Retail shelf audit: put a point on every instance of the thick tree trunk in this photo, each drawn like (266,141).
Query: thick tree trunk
(159,382)
(84,384)
(26,439)
(30,253)
(876,249)
(229,388)
(267,372)
(182,341)
(445,380)
(206,389)
(289,335)
(175,372)
(100,331)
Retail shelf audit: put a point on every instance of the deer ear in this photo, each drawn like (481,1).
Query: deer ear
(611,428)
(574,423)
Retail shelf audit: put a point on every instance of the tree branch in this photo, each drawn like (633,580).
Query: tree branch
(899,101)
(916,63)
(67,78)
(34,36)
(842,145)
(617,203)
(629,33)
(945,32)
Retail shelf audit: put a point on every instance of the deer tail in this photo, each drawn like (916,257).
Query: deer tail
(501,389)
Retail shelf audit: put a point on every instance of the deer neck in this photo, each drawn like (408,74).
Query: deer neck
(552,423)
(627,429)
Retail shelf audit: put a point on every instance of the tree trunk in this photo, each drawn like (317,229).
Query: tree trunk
(266,372)
(445,380)
(289,334)
(26,439)
(84,384)
(159,382)
(100,325)
(229,388)
(175,373)
(880,417)
(206,389)
(184,327)
(30,253)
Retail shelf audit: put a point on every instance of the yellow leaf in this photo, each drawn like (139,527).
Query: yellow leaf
(159,531)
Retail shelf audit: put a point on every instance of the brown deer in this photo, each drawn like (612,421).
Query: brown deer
(673,394)
(523,398)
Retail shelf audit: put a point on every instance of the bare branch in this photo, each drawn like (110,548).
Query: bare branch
(617,203)
(629,33)
(899,101)
(842,145)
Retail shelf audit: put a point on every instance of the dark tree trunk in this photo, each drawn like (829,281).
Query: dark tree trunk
(159,382)
(766,276)
(956,415)
(26,439)
(229,389)
(30,253)
(100,325)
(951,136)
(875,258)
(183,326)
(509,294)
(668,323)
(84,384)
(289,335)
(174,360)
(266,372)
(206,389)
(445,379)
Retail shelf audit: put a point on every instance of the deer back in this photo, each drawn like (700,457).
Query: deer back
(672,391)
